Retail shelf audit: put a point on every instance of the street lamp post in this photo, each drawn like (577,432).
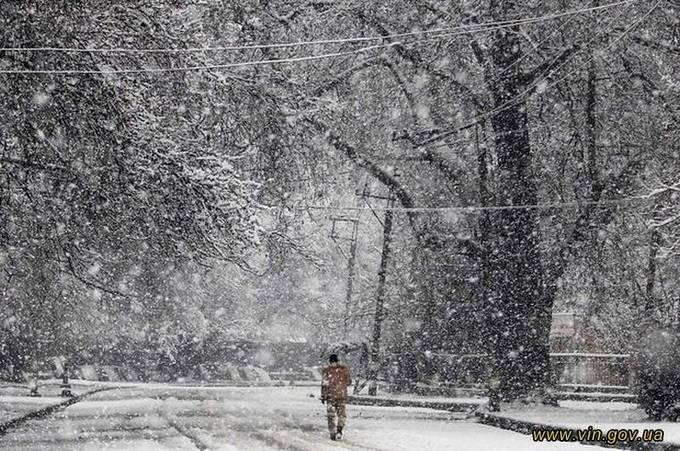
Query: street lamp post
(34,383)
(34,386)
(65,385)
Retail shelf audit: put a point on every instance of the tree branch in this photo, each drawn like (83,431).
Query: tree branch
(428,155)
(343,76)
(585,218)
(542,69)
(638,39)
(415,58)
(31,164)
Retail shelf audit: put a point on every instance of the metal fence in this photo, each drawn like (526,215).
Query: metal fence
(586,369)
(577,370)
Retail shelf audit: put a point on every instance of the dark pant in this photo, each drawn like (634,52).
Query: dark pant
(336,408)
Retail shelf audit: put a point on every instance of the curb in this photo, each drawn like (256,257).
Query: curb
(526,427)
(45,411)
(196,384)
(600,397)
(383,402)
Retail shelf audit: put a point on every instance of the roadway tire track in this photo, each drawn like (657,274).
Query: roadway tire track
(187,432)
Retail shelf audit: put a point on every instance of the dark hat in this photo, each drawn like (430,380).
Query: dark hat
(333,358)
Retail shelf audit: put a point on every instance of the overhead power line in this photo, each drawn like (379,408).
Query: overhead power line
(485,26)
(618,39)
(196,68)
(233,65)
(511,102)
(475,208)
(497,76)
(270,61)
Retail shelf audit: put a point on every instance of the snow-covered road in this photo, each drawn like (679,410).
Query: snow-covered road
(162,418)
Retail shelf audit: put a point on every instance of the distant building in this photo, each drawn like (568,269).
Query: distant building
(564,332)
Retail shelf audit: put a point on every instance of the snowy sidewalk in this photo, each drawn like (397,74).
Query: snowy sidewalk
(571,415)
(581,415)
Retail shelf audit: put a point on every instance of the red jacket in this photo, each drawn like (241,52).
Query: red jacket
(334,381)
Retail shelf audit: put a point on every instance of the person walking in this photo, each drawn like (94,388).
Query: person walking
(335,378)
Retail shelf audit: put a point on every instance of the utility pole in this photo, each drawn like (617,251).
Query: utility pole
(351,259)
(380,299)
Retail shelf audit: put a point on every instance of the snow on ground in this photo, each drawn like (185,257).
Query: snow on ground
(575,412)
(613,406)
(228,419)
(16,406)
(141,445)
(36,401)
(464,436)
(599,415)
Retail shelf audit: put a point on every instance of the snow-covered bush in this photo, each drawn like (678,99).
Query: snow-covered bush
(658,375)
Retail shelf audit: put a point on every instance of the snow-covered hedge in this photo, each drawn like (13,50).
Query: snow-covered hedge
(658,375)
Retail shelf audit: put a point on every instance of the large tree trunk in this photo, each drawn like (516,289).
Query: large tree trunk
(520,322)
(380,298)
